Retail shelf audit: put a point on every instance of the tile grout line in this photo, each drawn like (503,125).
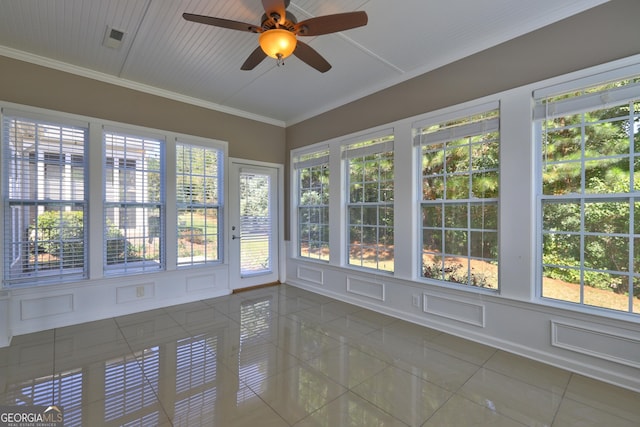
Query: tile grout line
(144,375)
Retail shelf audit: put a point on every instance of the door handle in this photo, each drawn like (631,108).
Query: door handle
(234,237)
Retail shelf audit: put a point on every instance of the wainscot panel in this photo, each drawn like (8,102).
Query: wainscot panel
(598,343)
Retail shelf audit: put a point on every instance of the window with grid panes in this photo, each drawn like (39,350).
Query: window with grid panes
(133,203)
(589,198)
(198,196)
(45,205)
(312,172)
(459,174)
(370,196)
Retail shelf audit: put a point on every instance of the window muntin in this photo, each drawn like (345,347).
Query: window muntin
(589,196)
(45,207)
(370,207)
(312,171)
(459,176)
(198,196)
(134,203)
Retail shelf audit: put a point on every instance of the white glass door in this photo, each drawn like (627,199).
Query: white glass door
(253,224)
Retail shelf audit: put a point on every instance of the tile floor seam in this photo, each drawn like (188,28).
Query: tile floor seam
(454,395)
(318,409)
(436,411)
(146,378)
(598,409)
(562,399)
(524,382)
(272,408)
(376,406)
(564,388)
(53,373)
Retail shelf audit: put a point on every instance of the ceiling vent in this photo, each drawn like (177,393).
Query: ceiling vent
(113,38)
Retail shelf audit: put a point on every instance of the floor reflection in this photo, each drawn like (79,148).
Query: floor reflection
(282,356)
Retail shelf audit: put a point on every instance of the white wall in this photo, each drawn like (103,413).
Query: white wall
(46,307)
(589,341)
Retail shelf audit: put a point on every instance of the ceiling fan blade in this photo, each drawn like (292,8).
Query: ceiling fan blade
(307,54)
(223,23)
(275,7)
(331,23)
(254,59)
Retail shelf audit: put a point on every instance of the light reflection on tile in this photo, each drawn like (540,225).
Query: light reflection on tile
(375,320)
(98,413)
(407,330)
(432,365)
(576,414)
(405,396)
(242,409)
(513,398)
(347,365)
(36,349)
(459,411)
(605,397)
(352,326)
(303,341)
(463,349)
(293,305)
(254,365)
(319,313)
(298,392)
(144,329)
(529,371)
(350,410)
(283,356)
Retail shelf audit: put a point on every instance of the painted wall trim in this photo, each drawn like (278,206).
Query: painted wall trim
(129,84)
(366,288)
(313,275)
(454,309)
(596,342)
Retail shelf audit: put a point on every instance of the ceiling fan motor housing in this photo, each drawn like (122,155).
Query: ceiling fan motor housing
(269,24)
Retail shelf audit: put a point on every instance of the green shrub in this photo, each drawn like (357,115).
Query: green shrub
(118,248)
(60,234)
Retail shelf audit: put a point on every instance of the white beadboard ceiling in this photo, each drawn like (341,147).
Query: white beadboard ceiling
(164,54)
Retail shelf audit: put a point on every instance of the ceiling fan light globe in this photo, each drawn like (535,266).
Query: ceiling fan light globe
(278,43)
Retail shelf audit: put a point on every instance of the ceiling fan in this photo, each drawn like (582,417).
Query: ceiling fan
(278,31)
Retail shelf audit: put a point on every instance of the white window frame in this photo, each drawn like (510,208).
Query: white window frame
(591,101)
(145,146)
(65,195)
(438,132)
(195,235)
(314,216)
(360,147)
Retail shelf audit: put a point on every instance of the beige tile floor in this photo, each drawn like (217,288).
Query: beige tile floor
(282,356)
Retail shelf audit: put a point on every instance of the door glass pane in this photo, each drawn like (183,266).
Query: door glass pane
(255,224)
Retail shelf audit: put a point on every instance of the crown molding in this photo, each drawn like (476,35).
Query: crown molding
(129,84)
